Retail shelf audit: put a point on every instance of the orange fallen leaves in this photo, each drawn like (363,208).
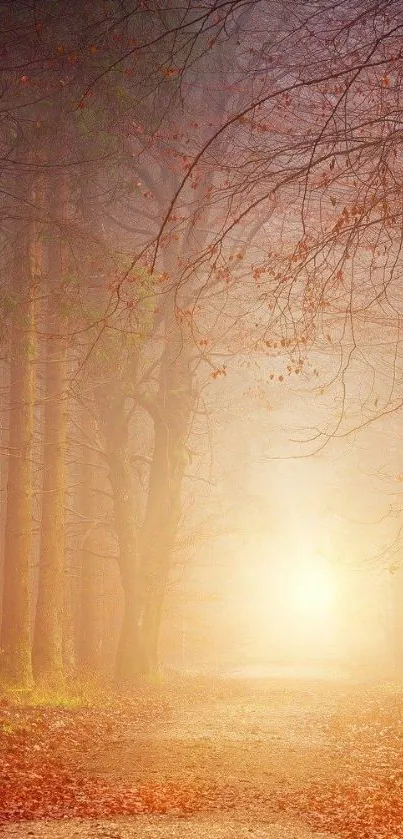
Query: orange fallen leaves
(42,775)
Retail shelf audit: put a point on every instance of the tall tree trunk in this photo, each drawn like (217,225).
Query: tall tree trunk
(47,648)
(48,635)
(111,403)
(130,655)
(4,439)
(69,655)
(89,634)
(175,403)
(15,628)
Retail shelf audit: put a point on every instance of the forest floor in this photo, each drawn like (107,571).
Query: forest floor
(208,759)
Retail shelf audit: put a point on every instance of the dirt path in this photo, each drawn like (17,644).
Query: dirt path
(163,827)
(237,750)
(248,733)
(254,736)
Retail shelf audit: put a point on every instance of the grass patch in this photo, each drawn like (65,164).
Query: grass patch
(69,695)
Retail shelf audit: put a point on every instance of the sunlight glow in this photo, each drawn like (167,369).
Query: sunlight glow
(314,591)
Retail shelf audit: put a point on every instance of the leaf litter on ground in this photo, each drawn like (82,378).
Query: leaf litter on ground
(46,754)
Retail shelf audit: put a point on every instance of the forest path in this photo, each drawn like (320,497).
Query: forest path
(164,827)
(247,732)
(237,758)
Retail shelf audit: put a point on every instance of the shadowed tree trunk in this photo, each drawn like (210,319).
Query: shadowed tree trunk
(145,557)
(15,628)
(68,635)
(4,438)
(89,629)
(130,655)
(172,416)
(48,635)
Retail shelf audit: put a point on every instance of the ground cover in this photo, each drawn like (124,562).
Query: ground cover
(208,757)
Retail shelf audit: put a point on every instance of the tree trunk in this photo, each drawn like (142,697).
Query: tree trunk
(15,629)
(175,405)
(48,635)
(130,660)
(47,649)
(152,618)
(69,656)
(4,439)
(89,631)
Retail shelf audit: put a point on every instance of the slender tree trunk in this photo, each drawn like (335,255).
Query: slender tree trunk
(47,649)
(129,659)
(69,656)
(15,630)
(89,617)
(171,426)
(152,618)
(4,439)
(48,635)
(130,655)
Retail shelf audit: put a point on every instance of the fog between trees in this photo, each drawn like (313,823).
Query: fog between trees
(185,192)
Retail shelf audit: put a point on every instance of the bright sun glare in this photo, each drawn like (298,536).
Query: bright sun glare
(314,591)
